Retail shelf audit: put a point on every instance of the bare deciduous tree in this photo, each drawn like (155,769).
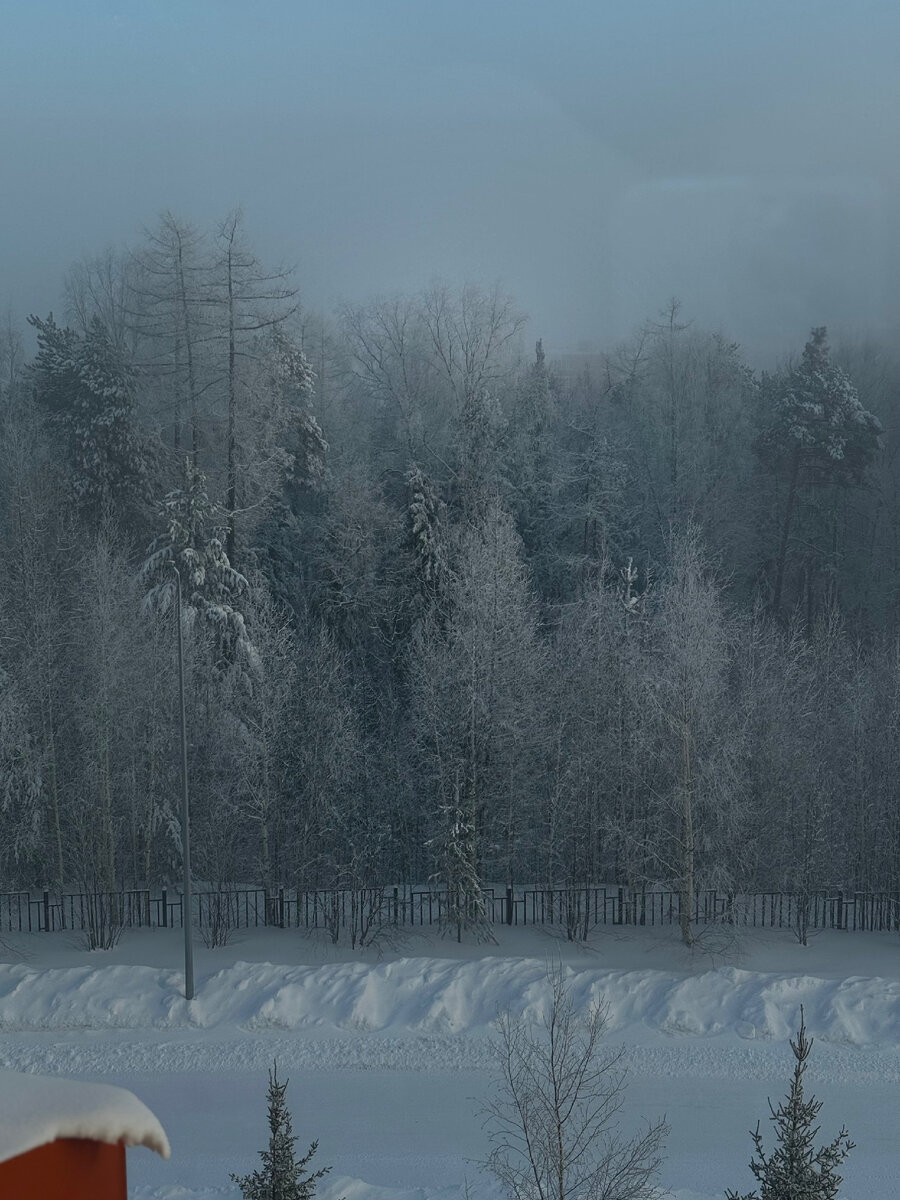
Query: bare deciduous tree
(553,1118)
(253,300)
(100,286)
(171,293)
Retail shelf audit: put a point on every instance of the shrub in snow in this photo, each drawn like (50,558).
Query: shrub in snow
(795,1170)
(103,914)
(283,1176)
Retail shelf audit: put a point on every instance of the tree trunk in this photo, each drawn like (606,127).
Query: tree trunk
(107,833)
(686,882)
(786,532)
(189,350)
(231,499)
(179,406)
(54,804)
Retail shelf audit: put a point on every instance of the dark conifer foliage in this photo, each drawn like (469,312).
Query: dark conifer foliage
(817,439)
(283,1176)
(87,387)
(190,544)
(797,1169)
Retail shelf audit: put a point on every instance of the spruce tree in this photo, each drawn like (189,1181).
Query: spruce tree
(87,388)
(283,1176)
(796,1170)
(211,587)
(815,434)
(425,531)
(466,899)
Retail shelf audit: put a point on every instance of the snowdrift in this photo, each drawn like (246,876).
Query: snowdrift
(425,995)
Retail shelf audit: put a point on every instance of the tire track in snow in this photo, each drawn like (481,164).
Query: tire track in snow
(685,1058)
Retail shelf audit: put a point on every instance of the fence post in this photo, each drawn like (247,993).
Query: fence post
(281,908)
(509,905)
(46,911)
(164,904)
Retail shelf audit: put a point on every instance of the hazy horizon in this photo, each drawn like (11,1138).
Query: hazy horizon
(594,160)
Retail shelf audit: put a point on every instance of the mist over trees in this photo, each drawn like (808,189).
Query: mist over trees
(452,610)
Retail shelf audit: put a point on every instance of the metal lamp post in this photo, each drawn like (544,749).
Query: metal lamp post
(185,807)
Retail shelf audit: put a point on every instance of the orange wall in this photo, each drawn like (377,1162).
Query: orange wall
(68,1169)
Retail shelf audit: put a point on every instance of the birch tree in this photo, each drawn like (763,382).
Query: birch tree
(695,784)
(553,1116)
(21,815)
(476,667)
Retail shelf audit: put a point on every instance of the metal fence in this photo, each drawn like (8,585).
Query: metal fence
(361,911)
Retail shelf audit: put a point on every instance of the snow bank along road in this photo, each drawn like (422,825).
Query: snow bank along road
(389,1060)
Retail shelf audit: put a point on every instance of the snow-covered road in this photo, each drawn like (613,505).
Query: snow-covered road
(389,1060)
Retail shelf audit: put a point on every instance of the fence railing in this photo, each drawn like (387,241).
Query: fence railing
(361,911)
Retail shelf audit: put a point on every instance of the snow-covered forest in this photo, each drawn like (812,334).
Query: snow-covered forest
(452,610)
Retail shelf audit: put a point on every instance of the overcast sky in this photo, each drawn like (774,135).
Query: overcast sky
(596,157)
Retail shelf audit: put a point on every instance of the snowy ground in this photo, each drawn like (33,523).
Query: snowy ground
(388,1057)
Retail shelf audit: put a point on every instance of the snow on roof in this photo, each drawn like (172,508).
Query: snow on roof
(36,1109)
